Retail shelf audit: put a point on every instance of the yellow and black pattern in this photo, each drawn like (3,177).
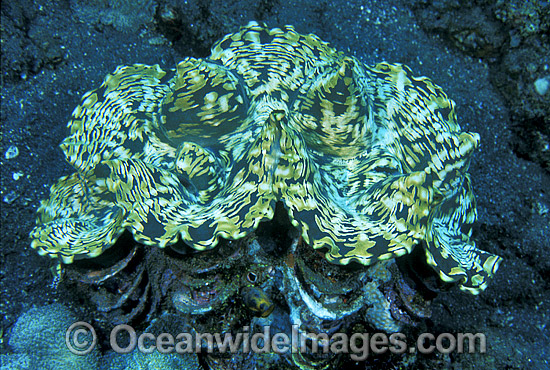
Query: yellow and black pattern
(368,160)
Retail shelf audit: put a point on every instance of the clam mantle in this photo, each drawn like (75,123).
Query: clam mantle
(368,161)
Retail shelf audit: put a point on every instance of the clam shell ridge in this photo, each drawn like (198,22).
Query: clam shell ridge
(368,160)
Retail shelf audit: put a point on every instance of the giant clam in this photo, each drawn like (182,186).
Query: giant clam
(368,161)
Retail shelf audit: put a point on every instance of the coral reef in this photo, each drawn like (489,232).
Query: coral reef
(137,360)
(38,342)
(250,283)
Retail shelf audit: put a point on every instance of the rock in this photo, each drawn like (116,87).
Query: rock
(542,85)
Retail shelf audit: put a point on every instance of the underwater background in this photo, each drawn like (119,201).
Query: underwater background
(491,57)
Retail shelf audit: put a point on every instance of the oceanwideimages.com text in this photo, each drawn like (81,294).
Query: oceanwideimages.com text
(81,338)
